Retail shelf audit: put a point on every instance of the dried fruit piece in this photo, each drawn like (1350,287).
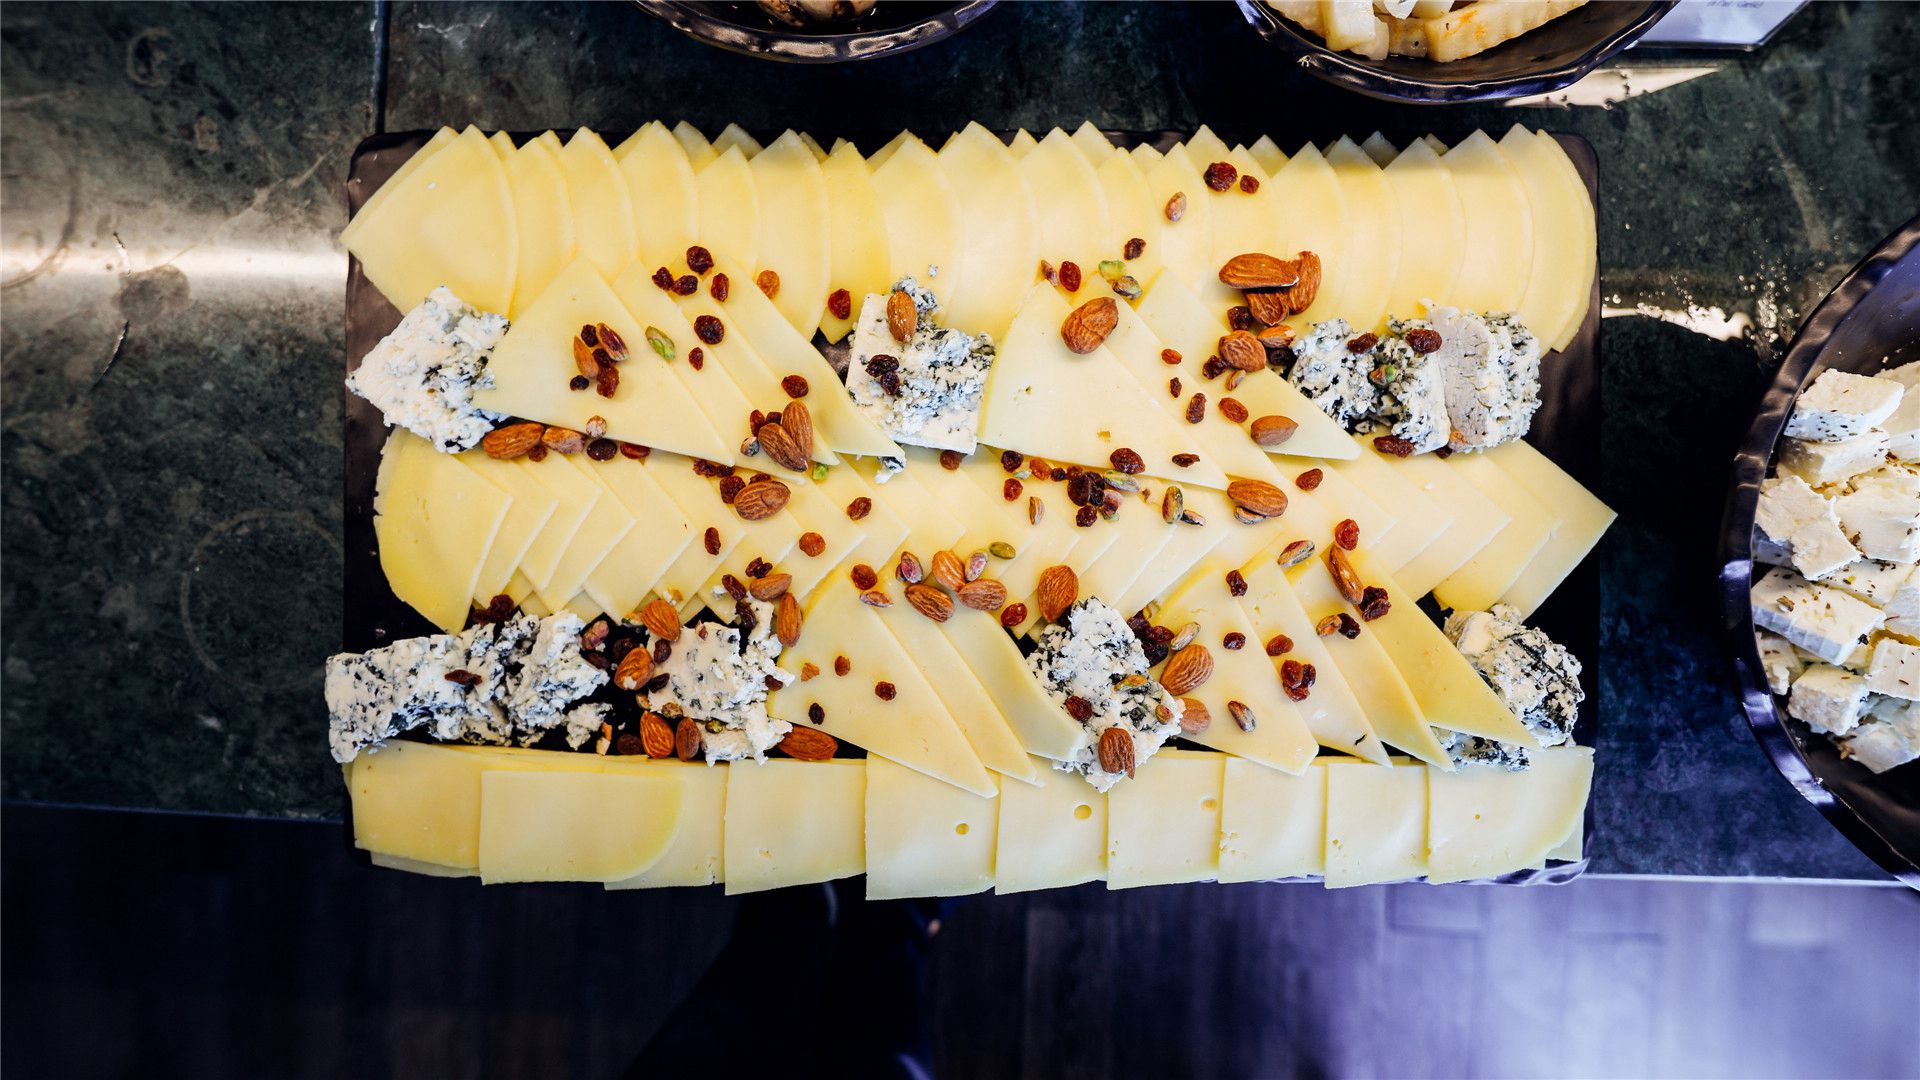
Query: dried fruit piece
(885,691)
(711,540)
(511,441)
(1116,750)
(1233,410)
(1196,408)
(1176,207)
(812,544)
(1185,460)
(720,288)
(1279,645)
(1307,289)
(1059,587)
(1362,342)
(840,304)
(1070,276)
(1254,270)
(976,565)
(686,285)
(1297,679)
(951,459)
(761,500)
(1249,184)
(1010,489)
(1127,461)
(859,508)
(1347,534)
(1242,350)
(1134,248)
(1220,176)
(1013,615)
(1393,445)
(863,576)
(1194,717)
(1236,583)
(983,594)
(787,619)
(709,329)
(1187,670)
(735,588)
(607,381)
(841,666)
(661,620)
(1088,325)
(902,316)
(1257,497)
(769,283)
(699,259)
(1374,603)
(663,277)
(795,386)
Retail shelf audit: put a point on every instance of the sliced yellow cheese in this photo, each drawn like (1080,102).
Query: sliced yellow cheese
(738,358)
(635,563)
(1586,241)
(1477,519)
(730,211)
(1558,280)
(1314,217)
(1272,824)
(1187,547)
(1242,222)
(931,524)
(700,501)
(533,364)
(1376,823)
(1070,209)
(576,495)
(573,826)
(411,866)
(420,802)
(1484,821)
(965,696)
(1374,228)
(1040,724)
(582,605)
(606,524)
(861,259)
(815,511)
(1331,711)
(666,208)
(435,520)
(1380,528)
(926,838)
(770,540)
(1163,823)
(989,517)
(1052,834)
(1279,736)
(882,532)
(718,389)
(734,135)
(696,855)
(1092,143)
(1185,246)
(793,230)
(448,222)
(1178,318)
(603,208)
(1429,203)
(394,183)
(1377,147)
(1000,246)
(885,153)
(543,216)
(1021,143)
(1488,575)
(1498,217)
(1240,541)
(1139,534)
(1418,520)
(1133,212)
(699,150)
(913,727)
(534,505)
(922,218)
(1583,519)
(1267,154)
(794,823)
(1146,155)
(1571,849)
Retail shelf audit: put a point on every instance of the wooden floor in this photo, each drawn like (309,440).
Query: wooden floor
(152,946)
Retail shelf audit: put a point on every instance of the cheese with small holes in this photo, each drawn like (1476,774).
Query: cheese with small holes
(534,505)
(922,217)
(603,209)
(861,260)
(1272,824)
(729,204)
(1163,824)
(1376,823)
(926,838)
(1000,246)
(574,826)
(661,532)
(666,206)
(421,801)
(448,221)
(794,823)
(1483,822)
(1274,731)
(435,520)
(696,856)
(1052,833)
(794,243)
(1583,519)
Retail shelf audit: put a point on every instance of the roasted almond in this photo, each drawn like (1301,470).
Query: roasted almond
(656,735)
(1187,670)
(948,570)
(1257,497)
(1271,431)
(778,443)
(686,739)
(661,620)
(930,602)
(902,316)
(1194,717)
(1256,271)
(635,669)
(1270,306)
(1088,325)
(1242,350)
(563,440)
(770,588)
(787,619)
(583,360)
(1059,587)
(1116,750)
(809,744)
(511,441)
(799,424)
(1344,576)
(761,500)
(983,594)
(1307,289)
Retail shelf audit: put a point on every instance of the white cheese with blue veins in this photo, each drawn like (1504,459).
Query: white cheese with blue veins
(1536,678)
(1334,377)
(1489,371)
(1841,405)
(1091,654)
(1826,622)
(719,677)
(928,390)
(422,375)
(1414,407)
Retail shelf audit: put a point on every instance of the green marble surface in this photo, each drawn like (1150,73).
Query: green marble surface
(171,189)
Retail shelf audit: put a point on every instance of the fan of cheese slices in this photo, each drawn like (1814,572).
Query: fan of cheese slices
(667,440)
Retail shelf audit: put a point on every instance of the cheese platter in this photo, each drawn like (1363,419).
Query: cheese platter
(579,566)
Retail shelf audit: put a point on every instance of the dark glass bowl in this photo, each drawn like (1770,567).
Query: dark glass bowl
(893,26)
(1539,62)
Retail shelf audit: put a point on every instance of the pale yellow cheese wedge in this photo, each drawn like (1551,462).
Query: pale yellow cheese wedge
(926,838)
(931,522)
(989,517)
(574,826)
(1577,201)
(1021,143)
(603,208)
(883,531)
(1205,147)
(817,512)
(1557,279)
(661,531)
(425,869)
(1146,155)
(1381,529)
(913,728)
(420,802)
(605,525)
(435,520)
(793,230)
(1000,245)
(533,363)
(1272,824)
(1374,235)
(1185,246)
(966,698)
(718,389)
(1379,149)
(1268,155)
(526,601)
(1571,849)
(1052,834)
(1376,823)
(1092,143)
(771,539)
(1583,519)
(1242,222)
(1477,519)
(1139,535)
(922,218)
(1488,575)
(1429,201)
(543,215)
(1331,711)
(1279,736)
(1484,821)
(1071,210)
(1163,823)
(699,150)
(534,505)
(729,210)
(1187,547)
(1134,212)
(1239,542)
(666,208)
(696,855)
(699,501)
(1314,216)
(394,183)
(1498,215)
(794,823)
(860,260)
(885,153)
(1042,726)
(576,496)
(734,135)
(448,222)
(1419,519)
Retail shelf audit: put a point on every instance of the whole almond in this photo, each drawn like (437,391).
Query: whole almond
(661,620)
(799,424)
(787,619)
(1257,497)
(779,444)
(761,500)
(770,588)
(809,744)
(563,440)
(1194,717)
(1116,750)
(686,739)
(656,735)
(1304,291)
(1256,271)
(1271,431)
(635,669)
(1059,587)
(511,441)
(902,316)
(1344,577)
(1242,350)
(930,602)
(1088,325)
(948,570)
(983,594)
(1187,670)
(583,359)
(1270,306)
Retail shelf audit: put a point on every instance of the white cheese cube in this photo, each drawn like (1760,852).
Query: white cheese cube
(1828,699)
(1779,661)
(1880,513)
(1821,463)
(1824,621)
(1881,584)
(1895,670)
(1841,405)
(1889,738)
(1903,426)
(1787,505)
(1820,548)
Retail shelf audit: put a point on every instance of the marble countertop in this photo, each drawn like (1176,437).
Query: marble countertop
(170,461)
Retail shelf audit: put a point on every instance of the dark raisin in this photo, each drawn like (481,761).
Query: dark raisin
(951,459)
(1309,480)
(1127,461)
(1070,276)
(859,508)
(607,381)
(1423,341)
(1085,517)
(815,714)
(1393,444)
(1240,317)
(711,541)
(579,382)
(710,469)
(538,453)
(1220,176)
(709,329)
(743,616)
(1236,584)
(663,277)
(1080,489)
(880,363)
(795,386)
(1249,184)
(1011,460)
(1162,635)
(662,649)
(1279,645)
(734,586)
(1135,248)
(686,285)
(1213,368)
(1155,651)
(884,691)
(1011,488)
(1079,708)
(730,488)
(699,259)
(656,684)
(1013,615)
(500,607)
(629,745)
(720,288)
(1443,453)
(1173,387)
(603,449)
(1363,342)
(890,382)
(840,304)
(1374,603)
(864,576)
(696,358)
(463,677)
(1185,460)
(1347,534)
(1233,410)
(1196,408)
(1234,641)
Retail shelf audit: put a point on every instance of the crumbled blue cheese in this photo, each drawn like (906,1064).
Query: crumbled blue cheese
(926,391)
(1334,377)
(719,679)
(422,376)
(1415,405)
(552,674)
(1841,405)
(1467,749)
(1537,679)
(1092,655)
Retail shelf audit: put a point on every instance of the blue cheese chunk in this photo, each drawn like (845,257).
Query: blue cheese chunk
(718,676)
(1828,699)
(1888,738)
(1490,379)
(374,696)
(1468,750)
(1826,622)
(1091,655)
(1841,405)
(1414,407)
(928,390)
(1536,678)
(1334,377)
(550,675)
(1516,352)
(422,375)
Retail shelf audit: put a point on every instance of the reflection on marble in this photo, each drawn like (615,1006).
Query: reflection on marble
(170,510)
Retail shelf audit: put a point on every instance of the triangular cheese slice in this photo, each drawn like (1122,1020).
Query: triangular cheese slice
(1477,520)
(1186,245)
(860,257)
(1134,212)
(666,209)
(1039,722)
(543,213)
(1314,217)
(699,501)
(662,531)
(1558,286)
(449,222)
(734,135)
(715,387)
(1071,209)
(1092,143)
(1374,233)
(1001,243)
(794,242)
(932,522)
(1582,520)
(959,689)
(394,183)
(435,520)
(602,207)
(1429,203)
(534,505)
(1498,260)
(729,210)
(1331,711)
(923,222)
(1487,576)
(604,527)
(1279,736)
(1268,155)
(700,152)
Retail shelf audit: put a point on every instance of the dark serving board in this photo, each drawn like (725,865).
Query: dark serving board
(1567,429)
(1870,321)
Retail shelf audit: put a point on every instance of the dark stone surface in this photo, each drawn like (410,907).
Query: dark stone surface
(170,562)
